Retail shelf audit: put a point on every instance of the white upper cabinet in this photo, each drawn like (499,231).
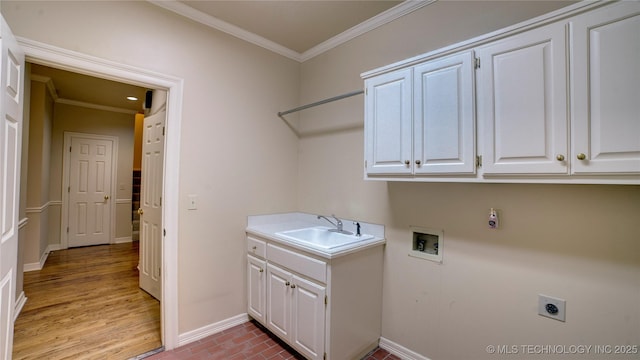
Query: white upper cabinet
(443,116)
(420,120)
(388,116)
(522,103)
(554,99)
(605,87)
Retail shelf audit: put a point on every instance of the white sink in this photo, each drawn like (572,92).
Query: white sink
(322,237)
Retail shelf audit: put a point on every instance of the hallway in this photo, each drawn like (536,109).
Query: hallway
(86,303)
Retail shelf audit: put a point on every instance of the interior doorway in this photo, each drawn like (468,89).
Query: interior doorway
(50,56)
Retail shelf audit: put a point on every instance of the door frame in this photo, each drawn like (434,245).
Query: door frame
(48,55)
(66,165)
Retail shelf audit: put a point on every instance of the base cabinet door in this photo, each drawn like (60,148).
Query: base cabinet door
(308,317)
(605,65)
(256,280)
(279,301)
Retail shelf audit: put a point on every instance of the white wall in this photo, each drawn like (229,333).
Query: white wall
(577,242)
(236,154)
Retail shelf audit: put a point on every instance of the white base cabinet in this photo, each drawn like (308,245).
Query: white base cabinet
(323,308)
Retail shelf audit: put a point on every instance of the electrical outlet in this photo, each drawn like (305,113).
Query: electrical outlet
(551,307)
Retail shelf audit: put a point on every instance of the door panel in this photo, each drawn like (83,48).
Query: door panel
(90,174)
(11,105)
(606,84)
(309,318)
(151,204)
(522,106)
(278,301)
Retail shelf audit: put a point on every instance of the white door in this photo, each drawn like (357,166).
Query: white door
(388,141)
(522,106)
(151,204)
(90,175)
(606,90)
(11,103)
(256,280)
(444,116)
(308,310)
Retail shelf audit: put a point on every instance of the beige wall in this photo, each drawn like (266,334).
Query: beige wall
(577,242)
(236,154)
(91,121)
(38,207)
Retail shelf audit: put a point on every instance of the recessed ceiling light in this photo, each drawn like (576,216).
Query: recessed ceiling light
(132,98)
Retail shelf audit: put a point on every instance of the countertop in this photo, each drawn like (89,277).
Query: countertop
(267,226)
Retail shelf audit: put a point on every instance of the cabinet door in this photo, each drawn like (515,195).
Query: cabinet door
(605,85)
(522,106)
(444,116)
(256,288)
(279,301)
(308,318)
(388,123)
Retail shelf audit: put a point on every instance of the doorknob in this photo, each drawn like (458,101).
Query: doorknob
(140,211)
(106,197)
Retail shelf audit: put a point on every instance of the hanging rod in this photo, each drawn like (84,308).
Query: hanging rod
(339,97)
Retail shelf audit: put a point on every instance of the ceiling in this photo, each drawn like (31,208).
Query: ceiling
(297,29)
(297,25)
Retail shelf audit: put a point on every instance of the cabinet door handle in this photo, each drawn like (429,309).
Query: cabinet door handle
(418,162)
(560,157)
(287,283)
(293,286)
(254,247)
(407,162)
(581,156)
(261,270)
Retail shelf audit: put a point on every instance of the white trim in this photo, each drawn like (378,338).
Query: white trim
(399,350)
(122,240)
(22,223)
(22,299)
(39,265)
(211,329)
(66,165)
(39,209)
(215,23)
(123,201)
(95,106)
(385,17)
(48,82)
(44,54)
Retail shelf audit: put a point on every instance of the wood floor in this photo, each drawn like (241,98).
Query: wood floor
(86,304)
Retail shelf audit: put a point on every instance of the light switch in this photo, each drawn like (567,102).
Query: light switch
(192,205)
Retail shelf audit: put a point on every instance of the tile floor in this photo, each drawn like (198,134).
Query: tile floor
(248,341)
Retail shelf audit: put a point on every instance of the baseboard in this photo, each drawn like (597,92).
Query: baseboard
(122,240)
(43,259)
(400,351)
(208,330)
(22,299)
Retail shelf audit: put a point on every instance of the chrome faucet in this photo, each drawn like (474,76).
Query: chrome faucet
(337,224)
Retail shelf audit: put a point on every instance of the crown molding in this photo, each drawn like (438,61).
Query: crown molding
(95,106)
(213,22)
(385,17)
(48,82)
